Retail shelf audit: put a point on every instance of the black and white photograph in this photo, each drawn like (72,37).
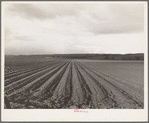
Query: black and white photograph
(74,56)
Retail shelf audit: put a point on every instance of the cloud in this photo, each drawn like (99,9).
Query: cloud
(66,27)
(132,10)
(113,18)
(98,18)
(42,11)
(115,27)
(23,38)
(25,51)
(8,34)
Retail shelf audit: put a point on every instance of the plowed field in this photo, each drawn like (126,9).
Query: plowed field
(71,84)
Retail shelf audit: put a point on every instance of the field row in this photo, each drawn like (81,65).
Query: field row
(67,84)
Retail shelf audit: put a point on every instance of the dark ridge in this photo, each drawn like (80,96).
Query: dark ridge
(137,56)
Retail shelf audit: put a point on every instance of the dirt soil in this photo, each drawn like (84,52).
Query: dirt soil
(73,84)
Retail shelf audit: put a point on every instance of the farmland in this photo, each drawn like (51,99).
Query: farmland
(36,82)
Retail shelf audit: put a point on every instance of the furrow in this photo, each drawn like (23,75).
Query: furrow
(68,88)
(43,89)
(97,93)
(24,75)
(46,75)
(77,93)
(86,90)
(27,79)
(110,84)
(60,89)
(7,77)
(19,69)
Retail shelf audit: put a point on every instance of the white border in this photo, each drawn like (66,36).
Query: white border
(69,114)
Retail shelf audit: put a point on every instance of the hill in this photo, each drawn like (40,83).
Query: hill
(139,56)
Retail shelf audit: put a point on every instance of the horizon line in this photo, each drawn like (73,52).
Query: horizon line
(74,54)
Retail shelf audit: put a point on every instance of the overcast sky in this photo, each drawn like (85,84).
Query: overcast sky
(69,27)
